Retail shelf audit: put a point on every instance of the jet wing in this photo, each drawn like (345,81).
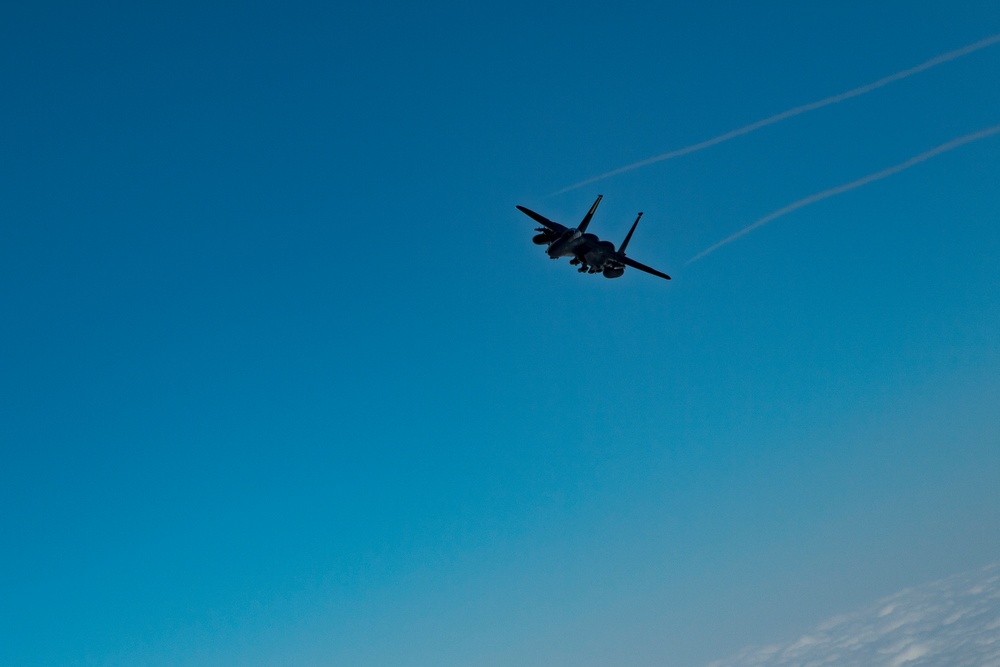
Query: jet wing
(541,219)
(628,261)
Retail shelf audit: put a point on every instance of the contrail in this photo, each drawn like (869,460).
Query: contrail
(840,189)
(933,62)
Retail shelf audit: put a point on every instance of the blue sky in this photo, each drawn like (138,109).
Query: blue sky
(285,382)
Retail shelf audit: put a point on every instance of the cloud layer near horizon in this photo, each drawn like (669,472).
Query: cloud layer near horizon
(955,622)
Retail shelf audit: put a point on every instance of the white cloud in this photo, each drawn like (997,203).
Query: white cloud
(952,622)
(910,654)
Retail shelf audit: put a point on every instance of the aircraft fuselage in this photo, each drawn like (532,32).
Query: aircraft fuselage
(566,244)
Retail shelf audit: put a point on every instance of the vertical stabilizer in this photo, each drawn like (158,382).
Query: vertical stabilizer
(590,214)
(628,237)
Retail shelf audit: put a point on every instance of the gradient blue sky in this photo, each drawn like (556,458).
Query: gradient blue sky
(285,382)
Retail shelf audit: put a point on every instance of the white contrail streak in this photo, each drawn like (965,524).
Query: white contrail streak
(933,62)
(840,189)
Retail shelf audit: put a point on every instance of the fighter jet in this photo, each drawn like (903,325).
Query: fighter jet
(589,252)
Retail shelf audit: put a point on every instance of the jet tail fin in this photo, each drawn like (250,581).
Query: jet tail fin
(590,214)
(628,237)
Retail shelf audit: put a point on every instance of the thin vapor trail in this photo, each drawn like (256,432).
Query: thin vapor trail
(933,62)
(840,189)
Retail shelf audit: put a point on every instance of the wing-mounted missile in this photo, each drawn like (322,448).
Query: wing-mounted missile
(541,219)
